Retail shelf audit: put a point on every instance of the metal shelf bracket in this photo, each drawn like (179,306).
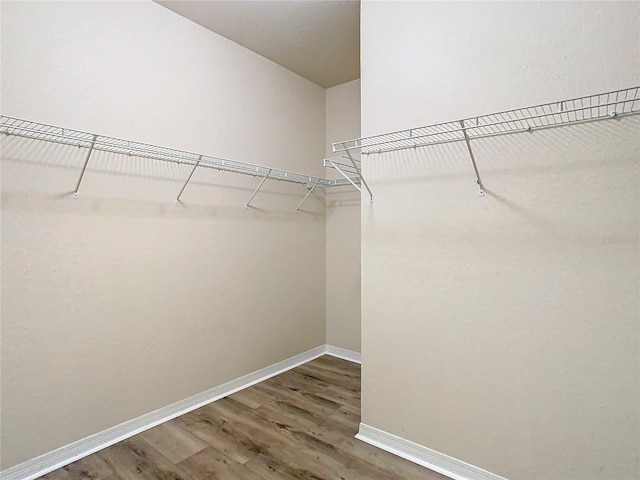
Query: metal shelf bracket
(311,189)
(473,160)
(84,167)
(345,176)
(360,175)
(256,190)
(193,170)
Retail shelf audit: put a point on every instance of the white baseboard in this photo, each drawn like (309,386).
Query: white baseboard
(436,461)
(36,467)
(344,354)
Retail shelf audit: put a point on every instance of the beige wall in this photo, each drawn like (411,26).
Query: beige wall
(120,302)
(343,225)
(503,330)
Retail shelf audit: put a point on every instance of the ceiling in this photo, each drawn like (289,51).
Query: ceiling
(317,39)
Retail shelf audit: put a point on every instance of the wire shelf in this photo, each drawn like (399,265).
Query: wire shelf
(65,136)
(590,108)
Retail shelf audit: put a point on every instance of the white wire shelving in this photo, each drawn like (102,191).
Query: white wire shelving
(93,142)
(601,106)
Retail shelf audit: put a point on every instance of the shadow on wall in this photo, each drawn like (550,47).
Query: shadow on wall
(537,221)
(133,186)
(354,202)
(113,207)
(525,173)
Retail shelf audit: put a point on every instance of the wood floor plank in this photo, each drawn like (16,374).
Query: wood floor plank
(275,454)
(387,461)
(135,459)
(173,441)
(210,431)
(299,425)
(285,456)
(334,366)
(350,382)
(290,415)
(297,383)
(212,464)
(272,469)
(322,437)
(88,468)
(337,365)
(251,397)
(308,436)
(341,395)
(348,417)
(255,430)
(284,451)
(313,402)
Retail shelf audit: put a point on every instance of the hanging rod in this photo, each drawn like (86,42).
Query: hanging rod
(590,108)
(49,133)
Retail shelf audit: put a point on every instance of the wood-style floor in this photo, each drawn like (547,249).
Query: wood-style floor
(298,425)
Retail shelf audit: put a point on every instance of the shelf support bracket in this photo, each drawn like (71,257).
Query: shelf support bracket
(360,175)
(193,170)
(307,195)
(259,186)
(84,167)
(346,176)
(473,159)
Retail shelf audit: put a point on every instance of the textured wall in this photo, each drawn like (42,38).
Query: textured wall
(120,302)
(503,330)
(343,225)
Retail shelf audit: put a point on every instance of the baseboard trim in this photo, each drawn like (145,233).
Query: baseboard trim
(344,354)
(431,459)
(50,461)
